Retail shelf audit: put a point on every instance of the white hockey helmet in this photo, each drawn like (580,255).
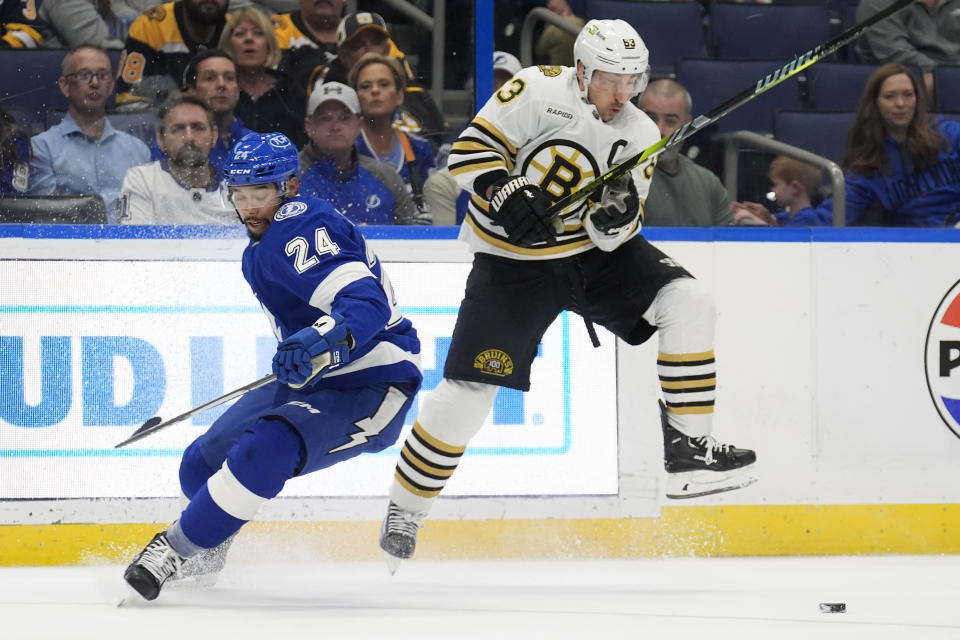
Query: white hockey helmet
(612,46)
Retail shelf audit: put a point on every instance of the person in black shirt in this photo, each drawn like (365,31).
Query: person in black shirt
(269,100)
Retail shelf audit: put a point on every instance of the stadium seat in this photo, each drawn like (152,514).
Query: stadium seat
(713,82)
(671,30)
(947,80)
(836,86)
(30,82)
(819,132)
(84,209)
(767,31)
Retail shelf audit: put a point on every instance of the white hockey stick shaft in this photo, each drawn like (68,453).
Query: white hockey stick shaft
(155,423)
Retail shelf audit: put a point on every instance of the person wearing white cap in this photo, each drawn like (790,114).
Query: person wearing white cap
(505,66)
(362,188)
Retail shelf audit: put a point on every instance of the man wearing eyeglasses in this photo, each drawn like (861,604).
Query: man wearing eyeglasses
(84,154)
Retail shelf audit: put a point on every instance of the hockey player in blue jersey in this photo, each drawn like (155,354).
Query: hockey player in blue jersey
(347,362)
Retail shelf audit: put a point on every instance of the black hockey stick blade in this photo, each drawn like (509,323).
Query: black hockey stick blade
(155,423)
(772,79)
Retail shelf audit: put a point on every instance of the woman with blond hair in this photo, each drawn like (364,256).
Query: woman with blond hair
(379,82)
(902,166)
(269,100)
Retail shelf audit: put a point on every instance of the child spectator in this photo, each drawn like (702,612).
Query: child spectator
(794,185)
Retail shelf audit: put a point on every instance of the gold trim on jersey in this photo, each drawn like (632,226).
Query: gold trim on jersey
(489,129)
(495,241)
(469,166)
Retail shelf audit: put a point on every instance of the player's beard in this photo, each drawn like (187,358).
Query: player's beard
(204,16)
(189,157)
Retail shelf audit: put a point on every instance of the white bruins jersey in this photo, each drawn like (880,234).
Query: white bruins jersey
(537,126)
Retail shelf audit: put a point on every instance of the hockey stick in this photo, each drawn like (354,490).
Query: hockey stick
(156,423)
(771,80)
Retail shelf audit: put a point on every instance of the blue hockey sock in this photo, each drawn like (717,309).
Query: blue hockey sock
(258,465)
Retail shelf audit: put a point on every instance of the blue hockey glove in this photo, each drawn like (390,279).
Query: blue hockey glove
(618,207)
(312,352)
(523,210)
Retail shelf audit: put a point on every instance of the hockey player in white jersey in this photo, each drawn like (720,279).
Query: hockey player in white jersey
(544,134)
(347,362)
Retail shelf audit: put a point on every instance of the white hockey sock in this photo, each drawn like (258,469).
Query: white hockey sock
(450,416)
(685,316)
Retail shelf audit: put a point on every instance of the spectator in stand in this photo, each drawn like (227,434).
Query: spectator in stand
(379,82)
(159,46)
(84,154)
(184,188)
(14,156)
(269,100)
(212,77)
(363,189)
(18,25)
(924,34)
(555,43)
(446,201)
(308,37)
(105,23)
(794,185)
(505,66)
(362,33)
(899,160)
(682,193)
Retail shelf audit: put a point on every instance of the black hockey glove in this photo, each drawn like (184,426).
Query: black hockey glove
(523,210)
(619,205)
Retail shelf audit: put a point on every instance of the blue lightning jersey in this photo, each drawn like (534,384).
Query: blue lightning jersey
(313,261)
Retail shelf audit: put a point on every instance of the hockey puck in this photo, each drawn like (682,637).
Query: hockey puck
(833,607)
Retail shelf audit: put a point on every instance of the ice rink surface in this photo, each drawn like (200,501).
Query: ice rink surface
(903,597)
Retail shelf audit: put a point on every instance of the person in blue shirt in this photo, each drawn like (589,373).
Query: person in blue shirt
(793,185)
(347,362)
(902,166)
(84,154)
(363,189)
(379,82)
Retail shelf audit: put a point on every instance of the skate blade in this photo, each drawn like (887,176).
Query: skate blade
(393,563)
(130,598)
(679,488)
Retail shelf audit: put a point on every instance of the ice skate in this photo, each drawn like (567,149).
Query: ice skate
(702,466)
(153,566)
(203,569)
(398,536)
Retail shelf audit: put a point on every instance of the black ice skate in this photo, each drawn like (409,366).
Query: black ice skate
(398,535)
(702,466)
(202,569)
(153,566)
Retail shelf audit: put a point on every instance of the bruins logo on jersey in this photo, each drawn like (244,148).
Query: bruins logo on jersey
(549,70)
(494,362)
(560,167)
(157,13)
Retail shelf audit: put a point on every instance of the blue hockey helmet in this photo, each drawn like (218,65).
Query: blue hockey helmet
(262,158)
